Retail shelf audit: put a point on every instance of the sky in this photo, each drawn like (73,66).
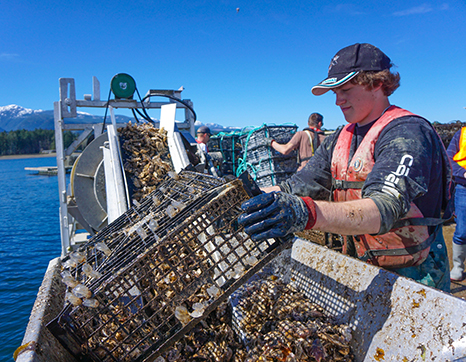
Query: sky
(242,63)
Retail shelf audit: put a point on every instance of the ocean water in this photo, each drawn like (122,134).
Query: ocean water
(29,239)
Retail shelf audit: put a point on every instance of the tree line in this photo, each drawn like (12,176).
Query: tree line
(22,142)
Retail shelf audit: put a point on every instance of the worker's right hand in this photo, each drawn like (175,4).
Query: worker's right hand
(276,214)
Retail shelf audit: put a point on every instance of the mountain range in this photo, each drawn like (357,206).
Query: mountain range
(14,117)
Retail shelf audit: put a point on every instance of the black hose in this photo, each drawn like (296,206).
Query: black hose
(172,98)
(106,110)
(147,117)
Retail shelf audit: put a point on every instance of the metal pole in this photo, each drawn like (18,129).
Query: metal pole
(61,174)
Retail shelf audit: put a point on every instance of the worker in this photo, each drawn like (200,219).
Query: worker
(306,141)
(386,169)
(203,137)
(457,152)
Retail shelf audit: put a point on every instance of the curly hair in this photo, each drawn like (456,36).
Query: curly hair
(390,81)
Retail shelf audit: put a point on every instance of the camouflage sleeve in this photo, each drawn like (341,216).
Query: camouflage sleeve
(406,154)
(315,179)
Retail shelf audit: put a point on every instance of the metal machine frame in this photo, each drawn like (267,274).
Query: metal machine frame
(66,108)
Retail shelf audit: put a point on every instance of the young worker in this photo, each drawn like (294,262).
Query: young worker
(306,141)
(386,172)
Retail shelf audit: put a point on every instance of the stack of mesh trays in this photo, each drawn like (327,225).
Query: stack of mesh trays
(163,271)
(267,166)
(229,145)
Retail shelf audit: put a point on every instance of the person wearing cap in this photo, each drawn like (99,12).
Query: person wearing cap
(203,137)
(305,141)
(380,182)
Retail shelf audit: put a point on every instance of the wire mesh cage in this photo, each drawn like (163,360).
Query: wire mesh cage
(155,298)
(127,235)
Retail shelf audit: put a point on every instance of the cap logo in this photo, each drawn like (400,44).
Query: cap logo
(333,62)
(330,80)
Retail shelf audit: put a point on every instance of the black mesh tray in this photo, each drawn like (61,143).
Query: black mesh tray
(256,137)
(261,153)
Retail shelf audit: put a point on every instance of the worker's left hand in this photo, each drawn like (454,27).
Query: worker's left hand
(276,214)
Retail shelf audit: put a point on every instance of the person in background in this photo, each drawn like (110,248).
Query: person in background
(306,141)
(203,137)
(457,153)
(386,174)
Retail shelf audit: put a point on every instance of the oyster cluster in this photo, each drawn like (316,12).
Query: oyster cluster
(77,293)
(275,323)
(146,157)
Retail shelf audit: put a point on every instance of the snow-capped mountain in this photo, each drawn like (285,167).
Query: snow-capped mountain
(16,111)
(14,117)
(215,127)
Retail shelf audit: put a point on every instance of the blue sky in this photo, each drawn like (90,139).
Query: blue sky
(242,63)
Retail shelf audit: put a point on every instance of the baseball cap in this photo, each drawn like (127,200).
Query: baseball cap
(348,62)
(204,129)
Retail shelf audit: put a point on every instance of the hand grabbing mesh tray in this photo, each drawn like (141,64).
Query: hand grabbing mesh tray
(162,293)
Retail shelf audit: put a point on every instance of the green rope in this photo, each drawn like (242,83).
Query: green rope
(243,164)
(233,135)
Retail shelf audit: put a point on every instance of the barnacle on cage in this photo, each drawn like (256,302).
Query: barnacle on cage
(81,291)
(74,300)
(89,272)
(101,246)
(77,257)
(68,279)
(182,314)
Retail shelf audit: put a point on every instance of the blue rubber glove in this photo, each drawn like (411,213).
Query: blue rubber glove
(272,215)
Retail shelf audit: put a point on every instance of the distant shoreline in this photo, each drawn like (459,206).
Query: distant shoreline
(35,155)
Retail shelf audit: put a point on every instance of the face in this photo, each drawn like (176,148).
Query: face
(203,137)
(358,104)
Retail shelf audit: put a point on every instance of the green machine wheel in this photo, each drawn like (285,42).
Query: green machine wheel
(123,86)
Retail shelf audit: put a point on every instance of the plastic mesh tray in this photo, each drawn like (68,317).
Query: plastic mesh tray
(256,138)
(140,312)
(228,168)
(262,153)
(274,166)
(228,141)
(272,179)
(231,155)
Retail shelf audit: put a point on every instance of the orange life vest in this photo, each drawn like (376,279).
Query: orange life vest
(408,243)
(460,157)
